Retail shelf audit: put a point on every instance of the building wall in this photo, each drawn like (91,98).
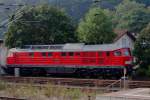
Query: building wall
(125,41)
(3,53)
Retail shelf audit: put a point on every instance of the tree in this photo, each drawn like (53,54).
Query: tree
(142,49)
(95,28)
(146,2)
(131,15)
(142,46)
(40,25)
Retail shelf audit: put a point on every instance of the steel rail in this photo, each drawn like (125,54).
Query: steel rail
(75,81)
(58,81)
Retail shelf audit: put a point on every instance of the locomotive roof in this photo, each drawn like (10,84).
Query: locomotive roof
(67,47)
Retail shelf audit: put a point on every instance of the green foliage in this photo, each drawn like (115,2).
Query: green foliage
(24,91)
(95,28)
(131,15)
(142,72)
(46,92)
(142,48)
(146,2)
(3,86)
(148,71)
(40,25)
(75,8)
(62,92)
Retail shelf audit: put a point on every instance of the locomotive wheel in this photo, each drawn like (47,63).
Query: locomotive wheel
(82,73)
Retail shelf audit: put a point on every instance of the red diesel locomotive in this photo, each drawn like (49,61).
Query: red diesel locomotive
(80,59)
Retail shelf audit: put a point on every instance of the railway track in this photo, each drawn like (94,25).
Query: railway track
(10,98)
(91,84)
(59,81)
(76,82)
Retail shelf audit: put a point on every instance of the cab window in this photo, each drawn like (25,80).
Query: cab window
(126,53)
(117,53)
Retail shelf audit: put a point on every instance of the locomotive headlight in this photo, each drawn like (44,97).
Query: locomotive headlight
(128,62)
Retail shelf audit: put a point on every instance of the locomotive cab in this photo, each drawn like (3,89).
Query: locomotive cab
(123,56)
(128,58)
(10,57)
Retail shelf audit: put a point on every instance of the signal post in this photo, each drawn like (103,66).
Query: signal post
(17,72)
(125,80)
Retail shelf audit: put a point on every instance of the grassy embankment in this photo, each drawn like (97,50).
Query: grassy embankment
(48,93)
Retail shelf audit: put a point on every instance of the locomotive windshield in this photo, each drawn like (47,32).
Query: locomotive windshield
(126,52)
(117,53)
(123,52)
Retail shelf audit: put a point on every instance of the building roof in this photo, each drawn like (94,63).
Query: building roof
(121,33)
